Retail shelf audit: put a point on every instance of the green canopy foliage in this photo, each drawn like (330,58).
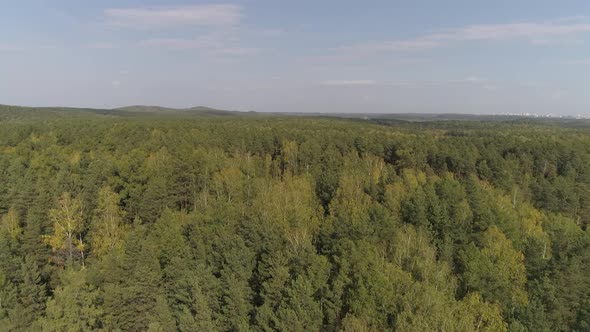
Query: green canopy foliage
(145,223)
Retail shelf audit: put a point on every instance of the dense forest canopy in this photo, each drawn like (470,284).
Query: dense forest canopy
(224,222)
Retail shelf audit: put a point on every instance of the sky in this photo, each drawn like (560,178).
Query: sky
(389,56)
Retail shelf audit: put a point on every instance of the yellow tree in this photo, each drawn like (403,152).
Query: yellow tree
(107,230)
(11,224)
(474,314)
(67,222)
(496,270)
(290,157)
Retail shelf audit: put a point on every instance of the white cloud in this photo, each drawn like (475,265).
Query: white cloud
(101,45)
(175,43)
(543,33)
(10,48)
(159,17)
(467,81)
(347,82)
(530,31)
(577,62)
(116,83)
(544,41)
(471,80)
(557,95)
(268,32)
(238,51)
(212,43)
(220,27)
(396,45)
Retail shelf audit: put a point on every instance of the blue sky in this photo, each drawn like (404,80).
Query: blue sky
(308,56)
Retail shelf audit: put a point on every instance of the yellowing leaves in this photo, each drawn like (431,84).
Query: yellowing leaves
(474,314)
(496,270)
(228,183)
(11,223)
(290,205)
(67,222)
(75,158)
(108,231)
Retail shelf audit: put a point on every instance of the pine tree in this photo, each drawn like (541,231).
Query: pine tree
(134,299)
(8,298)
(9,267)
(32,239)
(300,311)
(32,295)
(186,298)
(74,306)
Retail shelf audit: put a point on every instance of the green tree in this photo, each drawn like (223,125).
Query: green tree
(187,300)
(496,270)
(32,294)
(74,306)
(134,299)
(9,267)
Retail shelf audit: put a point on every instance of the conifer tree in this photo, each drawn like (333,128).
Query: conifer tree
(32,295)
(74,306)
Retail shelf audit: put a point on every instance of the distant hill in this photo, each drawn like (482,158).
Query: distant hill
(23,113)
(15,113)
(161,109)
(144,109)
(192,111)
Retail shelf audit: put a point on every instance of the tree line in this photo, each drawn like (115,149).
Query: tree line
(293,224)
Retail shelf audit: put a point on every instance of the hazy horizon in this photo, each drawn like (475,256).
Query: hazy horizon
(266,56)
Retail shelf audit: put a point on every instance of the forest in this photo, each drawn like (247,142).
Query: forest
(223,222)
